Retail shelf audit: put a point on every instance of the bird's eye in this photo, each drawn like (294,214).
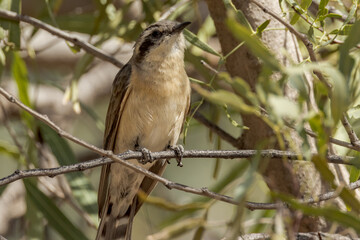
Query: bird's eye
(156,34)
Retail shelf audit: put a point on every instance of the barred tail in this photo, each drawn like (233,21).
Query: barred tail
(111,228)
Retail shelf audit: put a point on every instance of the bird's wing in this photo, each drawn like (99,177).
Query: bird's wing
(120,92)
(148,184)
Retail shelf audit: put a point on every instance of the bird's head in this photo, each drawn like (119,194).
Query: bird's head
(159,40)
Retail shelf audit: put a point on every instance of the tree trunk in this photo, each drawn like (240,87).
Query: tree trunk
(298,179)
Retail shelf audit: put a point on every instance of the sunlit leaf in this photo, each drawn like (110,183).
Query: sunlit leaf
(221,97)
(305,4)
(254,44)
(262,27)
(20,74)
(194,40)
(330,213)
(346,62)
(52,213)
(240,16)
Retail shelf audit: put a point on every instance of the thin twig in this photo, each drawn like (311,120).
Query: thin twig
(209,67)
(303,38)
(172,9)
(109,157)
(9,15)
(350,131)
(216,129)
(224,154)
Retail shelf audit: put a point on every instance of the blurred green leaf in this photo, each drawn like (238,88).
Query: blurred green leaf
(240,16)
(346,62)
(221,97)
(20,74)
(283,107)
(80,185)
(305,4)
(322,9)
(194,40)
(354,174)
(9,150)
(14,27)
(254,44)
(330,213)
(199,233)
(229,177)
(241,87)
(52,213)
(346,195)
(34,230)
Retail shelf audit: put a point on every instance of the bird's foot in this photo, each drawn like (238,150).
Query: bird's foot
(179,152)
(147,157)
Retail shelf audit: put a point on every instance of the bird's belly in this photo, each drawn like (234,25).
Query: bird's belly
(150,122)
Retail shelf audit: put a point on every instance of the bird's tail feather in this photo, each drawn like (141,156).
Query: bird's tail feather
(111,228)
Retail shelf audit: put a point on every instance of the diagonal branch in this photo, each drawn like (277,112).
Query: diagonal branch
(350,131)
(224,154)
(303,38)
(13,16)
(109,157)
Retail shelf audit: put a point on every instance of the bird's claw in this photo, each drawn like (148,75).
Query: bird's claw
(147,157)
(179,152)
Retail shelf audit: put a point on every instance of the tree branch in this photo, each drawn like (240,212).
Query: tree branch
(110,157)
(216,129)
(302,236)
(13,16)
(303,38)
(225,154)
(350,131)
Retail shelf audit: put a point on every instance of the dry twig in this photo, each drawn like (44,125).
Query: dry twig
(9,15)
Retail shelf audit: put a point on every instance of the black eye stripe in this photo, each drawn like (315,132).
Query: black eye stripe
(144,47)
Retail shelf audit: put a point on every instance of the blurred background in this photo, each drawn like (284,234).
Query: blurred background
(73,88)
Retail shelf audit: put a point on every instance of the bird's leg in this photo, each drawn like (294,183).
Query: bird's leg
(179,152)
(146,153)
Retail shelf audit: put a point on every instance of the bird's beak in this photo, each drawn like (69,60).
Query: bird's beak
(180,27)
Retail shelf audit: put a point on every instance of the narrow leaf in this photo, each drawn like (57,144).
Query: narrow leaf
(52,213)
(194,40)
(254,44)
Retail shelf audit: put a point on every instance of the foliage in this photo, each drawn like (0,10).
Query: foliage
(220,96)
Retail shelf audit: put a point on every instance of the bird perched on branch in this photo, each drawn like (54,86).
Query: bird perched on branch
(149,102)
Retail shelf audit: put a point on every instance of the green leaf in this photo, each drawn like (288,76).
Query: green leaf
(342,31)
(14,30)
(304,5)
(254,44)
(354,174)
(240,16)
(262,27)
(283,107)
(9,149)
(20,75)
(221,97)
(194,40)
(229,177)
(330,213)
(52,213)
(80,185)
(346,62)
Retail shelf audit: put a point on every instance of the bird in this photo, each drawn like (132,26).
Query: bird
(149,101)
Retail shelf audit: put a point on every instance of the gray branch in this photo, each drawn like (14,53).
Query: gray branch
(13,16)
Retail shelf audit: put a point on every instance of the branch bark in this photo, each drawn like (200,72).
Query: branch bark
(109,157)
(9,15)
